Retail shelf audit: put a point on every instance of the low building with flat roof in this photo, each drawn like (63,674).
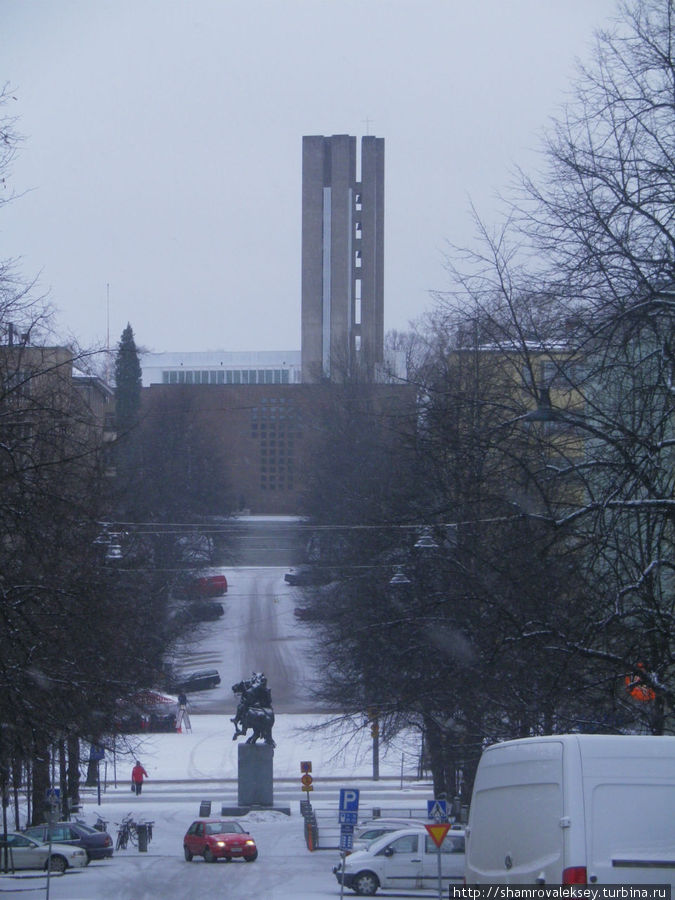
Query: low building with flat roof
(222,367)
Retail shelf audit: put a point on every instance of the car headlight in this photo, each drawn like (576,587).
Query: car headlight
(220,843)
(250,843)
(79,853)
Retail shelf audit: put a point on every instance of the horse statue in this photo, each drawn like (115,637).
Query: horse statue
(254,710)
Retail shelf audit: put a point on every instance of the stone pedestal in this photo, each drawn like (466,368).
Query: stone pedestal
(256,775)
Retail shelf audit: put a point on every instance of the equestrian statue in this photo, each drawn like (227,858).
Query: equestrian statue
(254,710)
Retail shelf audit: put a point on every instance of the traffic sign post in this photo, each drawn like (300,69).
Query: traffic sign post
(348,817)
(306,779)
(438,832)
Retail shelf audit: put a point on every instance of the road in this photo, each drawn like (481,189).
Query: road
(259,631)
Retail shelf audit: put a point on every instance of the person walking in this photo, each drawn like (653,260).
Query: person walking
(137,775)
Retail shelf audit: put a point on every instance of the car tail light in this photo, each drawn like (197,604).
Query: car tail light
(574,875)
(108,841)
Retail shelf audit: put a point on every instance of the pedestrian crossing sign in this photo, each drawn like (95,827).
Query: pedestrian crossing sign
(437,810)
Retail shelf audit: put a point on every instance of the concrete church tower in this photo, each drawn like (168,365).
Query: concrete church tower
(342,257)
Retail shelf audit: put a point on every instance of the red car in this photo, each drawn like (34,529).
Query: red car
(216,839)
(206,587)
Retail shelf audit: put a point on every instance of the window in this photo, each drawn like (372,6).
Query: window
(405,844)
(451,844)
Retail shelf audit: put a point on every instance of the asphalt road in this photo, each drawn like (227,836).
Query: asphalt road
(259,631)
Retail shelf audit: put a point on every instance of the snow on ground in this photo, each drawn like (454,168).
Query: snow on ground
(208,751)
(186,768)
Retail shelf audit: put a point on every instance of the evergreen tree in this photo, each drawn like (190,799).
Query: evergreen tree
(127,381)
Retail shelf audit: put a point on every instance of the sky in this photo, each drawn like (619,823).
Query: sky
(158,181)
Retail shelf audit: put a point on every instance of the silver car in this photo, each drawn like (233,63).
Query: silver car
(24,852)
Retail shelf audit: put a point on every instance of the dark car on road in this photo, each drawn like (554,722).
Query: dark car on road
(302,575)
(96,844)
(200,612)
(197,681)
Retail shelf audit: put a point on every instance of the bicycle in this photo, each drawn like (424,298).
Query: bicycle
(126,831)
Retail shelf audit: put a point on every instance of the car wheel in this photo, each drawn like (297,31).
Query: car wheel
(366,883)
(252,857)
(208,855)
(188,855)
(57,864)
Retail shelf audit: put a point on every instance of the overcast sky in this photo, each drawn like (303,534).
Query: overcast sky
(162,151)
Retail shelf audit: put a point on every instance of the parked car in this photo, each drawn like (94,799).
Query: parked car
(201,612)
(367,832)
(205,587)
(197,681)
(28,853)
(216,839)
(304,575)
(403,859)
(96,844)
(146,710)
(306,613)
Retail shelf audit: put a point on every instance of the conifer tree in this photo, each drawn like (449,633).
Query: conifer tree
(127,381)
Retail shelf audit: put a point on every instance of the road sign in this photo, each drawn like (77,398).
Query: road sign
(348,818)
(346,839)
(307,783)
(96,752)
(349,800)
(306,767)
(438,832)
(437,810)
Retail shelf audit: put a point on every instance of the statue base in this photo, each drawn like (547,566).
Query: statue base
(255,782)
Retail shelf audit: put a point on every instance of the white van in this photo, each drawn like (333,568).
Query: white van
(574,809)
(403,859)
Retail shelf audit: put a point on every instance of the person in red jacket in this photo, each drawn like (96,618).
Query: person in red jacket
(137,775)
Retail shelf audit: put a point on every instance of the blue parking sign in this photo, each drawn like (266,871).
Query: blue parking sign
(349,800)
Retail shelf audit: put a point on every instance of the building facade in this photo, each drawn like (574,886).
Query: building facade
(342,257)
(221,367)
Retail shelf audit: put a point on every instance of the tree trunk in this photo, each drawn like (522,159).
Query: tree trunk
(73,775)
(40,784)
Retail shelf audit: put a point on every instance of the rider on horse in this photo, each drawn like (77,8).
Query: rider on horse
(255,704)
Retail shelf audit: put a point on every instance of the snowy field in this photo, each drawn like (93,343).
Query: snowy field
(209,752)
(187,768)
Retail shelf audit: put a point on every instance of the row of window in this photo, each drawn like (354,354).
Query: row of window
(226,376)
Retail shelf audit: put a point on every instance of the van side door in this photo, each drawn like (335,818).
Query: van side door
(400,862)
